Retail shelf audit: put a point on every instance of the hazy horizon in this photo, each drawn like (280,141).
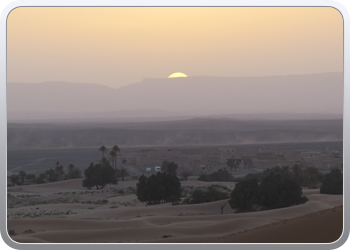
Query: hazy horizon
(121,46)
(188,97)
(158,78)
(246,60)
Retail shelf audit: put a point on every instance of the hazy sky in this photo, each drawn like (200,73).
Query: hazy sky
(122,45)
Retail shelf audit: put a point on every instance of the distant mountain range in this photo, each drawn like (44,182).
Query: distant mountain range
(314,96)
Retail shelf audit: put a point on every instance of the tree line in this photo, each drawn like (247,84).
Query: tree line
(102,173)
(273,188)
(51,175)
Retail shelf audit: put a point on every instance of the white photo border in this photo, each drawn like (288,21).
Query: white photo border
(172,3)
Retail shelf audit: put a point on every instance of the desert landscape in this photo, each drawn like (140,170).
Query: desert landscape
(53,206)
(137,126)
(65,212)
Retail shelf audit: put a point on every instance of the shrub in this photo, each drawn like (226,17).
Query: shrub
(203,177)
(99,175)
(332,183)
(311,177)
(280,191)
(73,173)
(245,195)
(212,193)
(220,175)
(141,188)
(158,188)
(169,167)
(197,196)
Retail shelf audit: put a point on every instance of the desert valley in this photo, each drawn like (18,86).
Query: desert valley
(133,125)
(62,210)
(65,212)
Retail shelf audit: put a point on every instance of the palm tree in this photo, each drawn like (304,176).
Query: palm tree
(311,173)
(105,162)
(116,149)
(59,171)
(123,172)
(14,179)
(297,170)
(70,171)
(113,154)
(233,163)
(70,167)
(22,175)
(103,150)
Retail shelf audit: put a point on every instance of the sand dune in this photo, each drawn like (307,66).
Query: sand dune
(65,212)
(324,226)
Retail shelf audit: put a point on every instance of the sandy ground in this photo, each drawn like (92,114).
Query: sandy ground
(65,212)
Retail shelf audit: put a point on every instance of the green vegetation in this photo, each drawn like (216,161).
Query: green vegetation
(278,188)
(308,177)
(73,173)
(14,179)
(169,167)
(51,175)
(212,193)
(122,173)
(279,191)
(220,175)
(103,151)
(245,195)
(332,183)
(233,163)
(100,175)
(159,188)
(114,154)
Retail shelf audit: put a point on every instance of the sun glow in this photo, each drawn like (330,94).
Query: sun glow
(177,74)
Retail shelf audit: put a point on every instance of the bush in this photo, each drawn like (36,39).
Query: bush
(169,167)
(201,196)
(73,173)
(332,183)
(141,188)
(220,175)
(158,188)
(280,191)
(307,177)
(245,195)
(99,175)
(203,177)
(311,177)
(214,194)
(197,196)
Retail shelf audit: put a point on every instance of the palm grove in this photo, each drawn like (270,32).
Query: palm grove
(100,174)
(276,187)
(273,188)
(57,173)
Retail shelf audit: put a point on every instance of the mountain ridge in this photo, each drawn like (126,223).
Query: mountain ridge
(192,96)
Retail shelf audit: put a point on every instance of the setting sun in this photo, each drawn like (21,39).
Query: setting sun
(177,74)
